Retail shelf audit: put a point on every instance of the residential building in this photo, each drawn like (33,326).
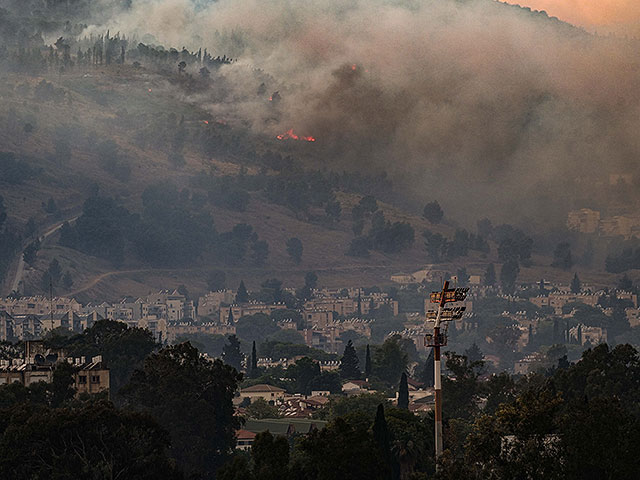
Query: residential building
(268,393)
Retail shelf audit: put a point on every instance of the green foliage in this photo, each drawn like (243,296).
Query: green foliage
(191,397)
(508,276)
(260,326)
(231,353)
(462,389)
(329,454)
(562,256)
(349,368)
(576,286)
(270,457)
(490,275)
(122,348)
(403,392)
(294,249)
(14,171)
(242,296)
(390,360)
(260,408)
(433,212)
(89,442)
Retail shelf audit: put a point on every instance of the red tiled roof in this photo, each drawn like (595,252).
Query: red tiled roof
(245,435)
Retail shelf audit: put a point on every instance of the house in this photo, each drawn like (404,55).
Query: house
(89,377)
(267,392)
(355,387)
(244,439)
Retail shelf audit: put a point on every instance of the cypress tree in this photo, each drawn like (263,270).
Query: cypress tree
(349,363)
(403,392)
(230,317)
(427,374)
(367,363)
(242,296)
(576,285)
(254,359)
(383,440)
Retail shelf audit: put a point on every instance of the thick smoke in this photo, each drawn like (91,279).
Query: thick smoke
(505,112)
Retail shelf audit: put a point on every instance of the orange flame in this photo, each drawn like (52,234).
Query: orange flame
(353,67)
(290,135)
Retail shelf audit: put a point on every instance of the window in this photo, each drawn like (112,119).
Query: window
(95,378)
(82,379)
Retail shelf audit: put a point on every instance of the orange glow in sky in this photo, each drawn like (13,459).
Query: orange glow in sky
(610,15)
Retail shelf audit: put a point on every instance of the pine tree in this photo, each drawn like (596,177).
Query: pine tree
(367,363)
(473,353)
(555,331)
(530,339)
(403,392)
(349,363)
(231,354)
(576,286)
(230,319)
(359,304)
(242,296)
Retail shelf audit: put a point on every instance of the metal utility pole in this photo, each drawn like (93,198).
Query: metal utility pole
(438,340)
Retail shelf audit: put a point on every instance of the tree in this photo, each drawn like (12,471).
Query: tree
(433,212)
(242,296)
(509,275)
(390,360)
(333,210)
(368,204)
(121,347)
(349,363)
(329,454)
(403,392)
(260,409)
(190,396)
(67,280)
(93,440)
(576,286)
(367,363)
(294,249)
(253,371)
(359,247)
(473,353)
(271,291)
(260,252)
(216,280)
(490,275)
(311,280)
(55,271)
(383,441)
(462,388)
(562,256)
(270,456)
(231,353)
(426,373)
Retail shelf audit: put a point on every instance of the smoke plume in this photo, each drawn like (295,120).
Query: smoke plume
(487,107)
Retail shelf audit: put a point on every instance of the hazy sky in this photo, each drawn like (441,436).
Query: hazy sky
(616,15)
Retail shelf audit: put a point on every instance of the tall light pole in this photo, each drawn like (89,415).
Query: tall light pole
(438,340)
